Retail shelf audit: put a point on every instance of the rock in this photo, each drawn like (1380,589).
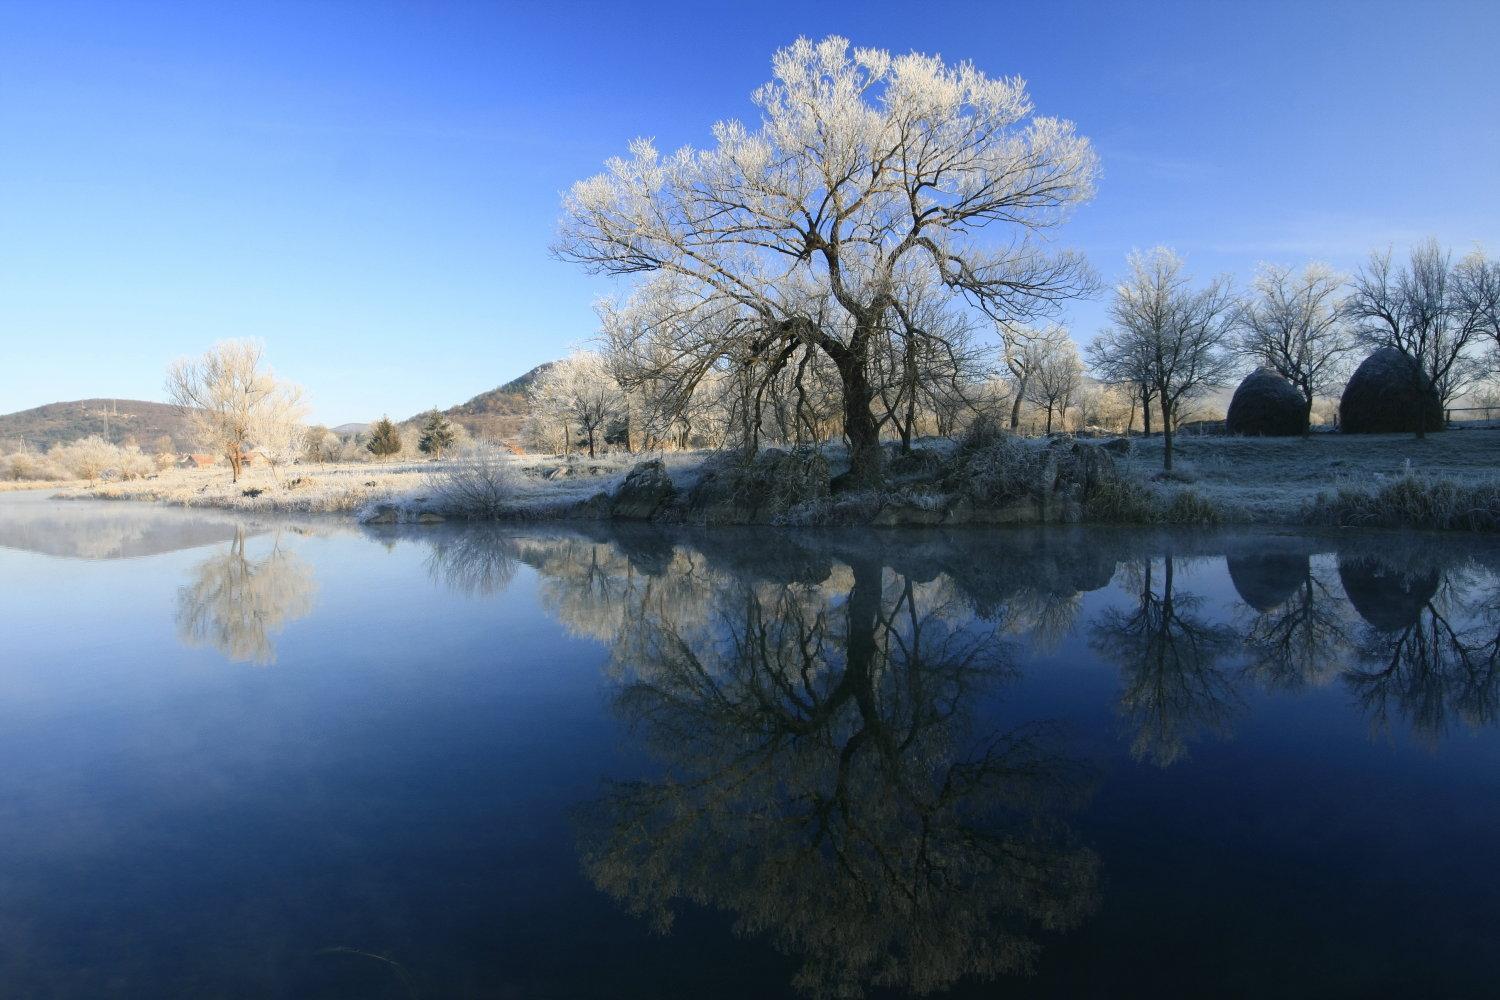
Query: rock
(1386,396)
(646,489)
(381,513)
(735,492)
(919,463)
(595,508)
(1119,446)
(428,517)
(1266,405)
(906,514)
(1089,466)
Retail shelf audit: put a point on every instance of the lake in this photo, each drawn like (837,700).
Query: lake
(255,757)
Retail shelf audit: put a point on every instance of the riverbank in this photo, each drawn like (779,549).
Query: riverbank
(1446,481)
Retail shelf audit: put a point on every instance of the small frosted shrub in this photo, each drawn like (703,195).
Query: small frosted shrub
(27,465)
(994,469)
(479,484)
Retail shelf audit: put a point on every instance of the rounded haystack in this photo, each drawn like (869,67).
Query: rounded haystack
(1388,597)
(1265,581)
(1382,397)
(1266,405)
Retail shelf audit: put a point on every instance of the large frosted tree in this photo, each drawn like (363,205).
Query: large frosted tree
(234,400)
(868,173)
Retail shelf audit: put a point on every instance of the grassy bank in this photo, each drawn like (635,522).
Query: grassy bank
(1448,481)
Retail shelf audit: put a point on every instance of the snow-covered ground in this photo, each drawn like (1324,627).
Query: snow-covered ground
(539,482)
(1263,480)
(1271,479)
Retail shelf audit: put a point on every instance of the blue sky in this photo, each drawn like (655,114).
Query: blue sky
(371,188)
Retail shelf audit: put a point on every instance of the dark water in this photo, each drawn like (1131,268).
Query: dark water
(287,759)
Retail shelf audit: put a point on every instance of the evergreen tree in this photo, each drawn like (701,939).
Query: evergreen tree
(437,435)
(384,438)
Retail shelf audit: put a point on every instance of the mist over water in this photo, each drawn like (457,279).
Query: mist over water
(270,757)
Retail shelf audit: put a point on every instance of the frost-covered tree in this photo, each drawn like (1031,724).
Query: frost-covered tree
(1122,362)
(87,458)
(1023,348)
(1294,324)
(279,429)
(580,395)
(226,393)
(385,439)
(868,173)
(1428,310)
(1172,337)
(437,435)
(319,444)
(1056,377)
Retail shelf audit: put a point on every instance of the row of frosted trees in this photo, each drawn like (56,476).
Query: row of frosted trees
(843,268)
(1171,343)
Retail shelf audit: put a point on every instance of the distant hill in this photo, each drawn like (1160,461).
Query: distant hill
(344,430)
(118,420)
(498,413)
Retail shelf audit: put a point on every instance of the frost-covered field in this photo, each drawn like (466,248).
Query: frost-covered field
(1272,479)
(539,483)
(1258,480)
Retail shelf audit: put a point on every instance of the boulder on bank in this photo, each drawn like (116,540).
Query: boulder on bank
(646,490)
(736,491)
(1386,395)
(1266,405)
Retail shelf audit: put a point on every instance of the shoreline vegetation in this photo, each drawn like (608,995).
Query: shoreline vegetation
(984,478)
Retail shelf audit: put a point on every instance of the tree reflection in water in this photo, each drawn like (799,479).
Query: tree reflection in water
(825,783)
(1430,649)
(815,705)
(1170,657)
(1300,634)
(477,561)
(235,603)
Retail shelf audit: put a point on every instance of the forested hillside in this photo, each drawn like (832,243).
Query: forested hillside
(117,420)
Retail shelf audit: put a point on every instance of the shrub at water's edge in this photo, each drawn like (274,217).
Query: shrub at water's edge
(1411,501)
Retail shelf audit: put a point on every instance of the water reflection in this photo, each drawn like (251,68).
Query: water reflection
(1430,651)
(92,529)
(814,705)
(1170,656)
(825,781)
(235,603)
(476,562)
(1299,634)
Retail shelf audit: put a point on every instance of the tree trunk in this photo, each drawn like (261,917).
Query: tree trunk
(859,422)
(1166,434)
(1049,418)
(236,460)
(1015,407)
(591,441)
(1307,416)
(1145,415)
(1418,399)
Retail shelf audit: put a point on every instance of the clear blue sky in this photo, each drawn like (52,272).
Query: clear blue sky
(371,187)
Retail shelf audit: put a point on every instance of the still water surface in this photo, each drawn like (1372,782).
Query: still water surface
(277,758)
